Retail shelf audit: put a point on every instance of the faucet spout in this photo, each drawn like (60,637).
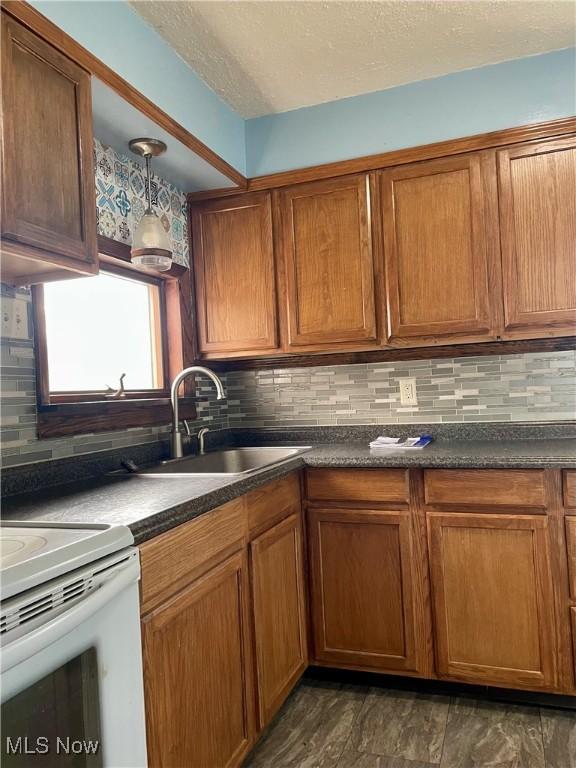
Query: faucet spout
(176,436)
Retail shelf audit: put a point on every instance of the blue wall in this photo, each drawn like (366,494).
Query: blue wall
(115,33)
(486,99)
(475,101)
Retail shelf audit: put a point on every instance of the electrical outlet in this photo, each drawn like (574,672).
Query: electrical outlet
(408,394)
(14,318)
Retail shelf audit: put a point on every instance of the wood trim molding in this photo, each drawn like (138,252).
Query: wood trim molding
(491,140)
(35,21)
(78,418)
(520,346)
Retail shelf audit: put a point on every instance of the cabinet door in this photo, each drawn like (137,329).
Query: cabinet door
(326,245)
(49,209)
(493,599)
(437,250)
(279,613)
(234,270)
(538,231)
(363,582)
(198,675)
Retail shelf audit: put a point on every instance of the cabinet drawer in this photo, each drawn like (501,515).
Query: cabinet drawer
(357,485)
(489,487)
(571,546)
(569,488)
(170,561)
(272,502)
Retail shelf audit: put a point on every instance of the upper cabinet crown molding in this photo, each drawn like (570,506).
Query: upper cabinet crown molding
(49,215)
(537,189)
(437,247)
(234,274)
(328,272)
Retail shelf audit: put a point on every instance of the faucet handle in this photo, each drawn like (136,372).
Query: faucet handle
(187,428)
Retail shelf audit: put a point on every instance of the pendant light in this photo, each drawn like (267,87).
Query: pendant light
(150,244)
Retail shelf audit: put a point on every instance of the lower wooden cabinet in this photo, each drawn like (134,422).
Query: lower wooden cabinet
(278,602)
(416,574)
(363,589)
(198,672)
(493,599)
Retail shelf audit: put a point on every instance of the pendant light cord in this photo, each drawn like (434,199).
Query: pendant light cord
(148,185)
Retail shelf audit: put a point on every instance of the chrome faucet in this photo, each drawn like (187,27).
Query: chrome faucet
(176,448)
(201,438)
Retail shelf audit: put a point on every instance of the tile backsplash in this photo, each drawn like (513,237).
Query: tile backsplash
(523,387)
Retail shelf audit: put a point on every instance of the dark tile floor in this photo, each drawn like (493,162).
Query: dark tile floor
(330,725)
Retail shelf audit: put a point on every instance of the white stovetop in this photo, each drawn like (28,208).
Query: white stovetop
(33,553)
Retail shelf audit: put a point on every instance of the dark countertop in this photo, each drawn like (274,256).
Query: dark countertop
(150,505)
(555,453)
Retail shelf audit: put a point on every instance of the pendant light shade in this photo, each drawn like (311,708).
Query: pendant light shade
(150,243)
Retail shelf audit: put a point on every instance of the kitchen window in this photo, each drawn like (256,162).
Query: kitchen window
(91,331)
(101,328)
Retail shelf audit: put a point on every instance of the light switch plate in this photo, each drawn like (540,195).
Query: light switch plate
(14,313)
(408,394)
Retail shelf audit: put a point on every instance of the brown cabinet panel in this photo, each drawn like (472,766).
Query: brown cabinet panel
(234,272)
(569,483)
(571,547)
(363,584)
(199,543)
(49,209)
(262,512)
(198,673)
(573,620)
(278,594)
(493,599)
(325,241)
(537,186)
(491,487)
(437,248)
(349,485)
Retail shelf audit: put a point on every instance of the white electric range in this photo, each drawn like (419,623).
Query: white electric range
(70,649)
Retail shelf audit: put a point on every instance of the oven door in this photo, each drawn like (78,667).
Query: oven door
(71,666)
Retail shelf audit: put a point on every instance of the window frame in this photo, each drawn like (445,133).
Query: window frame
(71,413)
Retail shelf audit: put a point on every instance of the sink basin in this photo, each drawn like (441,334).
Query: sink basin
(230,461)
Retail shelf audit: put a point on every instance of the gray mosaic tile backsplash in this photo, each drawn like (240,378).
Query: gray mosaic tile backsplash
(529,387)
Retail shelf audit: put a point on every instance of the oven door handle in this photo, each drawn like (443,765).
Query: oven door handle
(25,647)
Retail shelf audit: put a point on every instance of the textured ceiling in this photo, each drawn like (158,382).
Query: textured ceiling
(266,56)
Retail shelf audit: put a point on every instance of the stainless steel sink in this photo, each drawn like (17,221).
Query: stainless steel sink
(230,461)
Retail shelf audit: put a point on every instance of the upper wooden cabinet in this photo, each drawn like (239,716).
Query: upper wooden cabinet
(234,271)
(48,205)
(537,185)
(471,247)
(437,243)
(325,241)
